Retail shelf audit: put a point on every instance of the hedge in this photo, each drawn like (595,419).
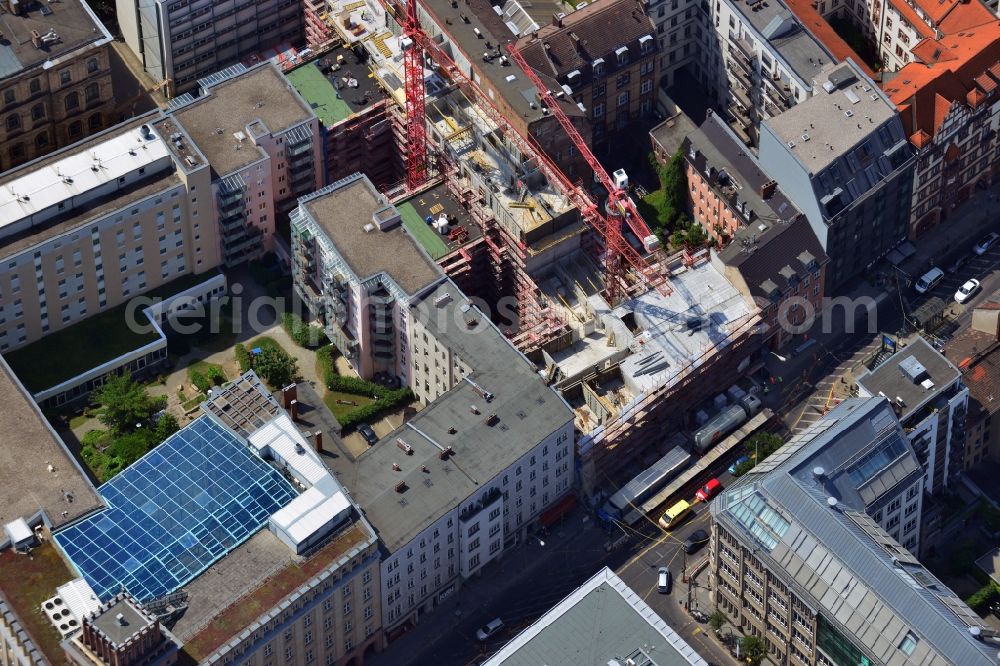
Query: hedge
(300,332)
(385,399)
(388,400)
(982,597)
(242,356)
(324,357)
(215,375)
(200,381)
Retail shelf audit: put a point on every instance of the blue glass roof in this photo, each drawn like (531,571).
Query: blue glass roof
(183,506)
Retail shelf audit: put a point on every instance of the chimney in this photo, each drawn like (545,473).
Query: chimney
(293,410)
(767,189)
(36,38)
(289,393)
(557,20)
(319,441)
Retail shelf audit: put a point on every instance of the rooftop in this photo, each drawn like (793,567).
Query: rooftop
(336,95)
(243,405)
(977,354)
(434,202)
(267,586)
(119,631)
(236,99)
(884,593)
(527,412)
(582,37)
(63,28)
(734,171)
(814,22)
(775,24)
(343,209)
(64,493)
(601,622)
(830,123)
(916,374)
(771,256)
(23,226)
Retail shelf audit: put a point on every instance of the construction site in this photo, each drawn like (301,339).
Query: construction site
(630,335)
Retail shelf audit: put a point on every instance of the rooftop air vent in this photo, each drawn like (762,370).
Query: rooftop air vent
(819,472)
(401,487)
(446,453)
(406,448)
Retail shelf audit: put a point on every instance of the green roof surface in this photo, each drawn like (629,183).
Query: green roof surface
(423,232)
(319,93)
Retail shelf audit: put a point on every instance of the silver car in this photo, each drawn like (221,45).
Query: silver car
(967,291)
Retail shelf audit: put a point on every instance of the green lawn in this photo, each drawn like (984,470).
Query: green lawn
(423,232)
(339,409)
(319,93)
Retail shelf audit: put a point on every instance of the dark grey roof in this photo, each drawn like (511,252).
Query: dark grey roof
(73,22)
(600,621)
(836,558)
(891,380)
(527,412)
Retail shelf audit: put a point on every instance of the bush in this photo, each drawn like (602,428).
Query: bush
(199,380)
(215,375)
(242,356)
(983,596)
(327,369)
(389,400)
(300,332)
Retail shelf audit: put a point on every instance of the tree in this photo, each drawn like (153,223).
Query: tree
(716,620)
(166,425)
(763,444)
(753,649)
(673,179)
(126,405)
(275,366)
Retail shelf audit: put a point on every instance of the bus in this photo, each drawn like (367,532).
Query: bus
(675,515)
(646,484)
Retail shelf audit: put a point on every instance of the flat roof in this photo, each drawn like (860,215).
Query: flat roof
(434,202)
(134,619)
(64,27)
(890,380)
(65,493)
(527,412)
(233,102)
(329,103)
(776,23)
(243,405)
(833,120)
(782,507)
(341,211)
(603,621)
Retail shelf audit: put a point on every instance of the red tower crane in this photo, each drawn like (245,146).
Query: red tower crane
(616,247)
(416,128)
(619,201)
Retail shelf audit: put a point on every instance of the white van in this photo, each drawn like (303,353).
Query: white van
(929,280)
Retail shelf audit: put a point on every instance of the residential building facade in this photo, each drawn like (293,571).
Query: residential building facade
(179,42)
(612,74)
(683,36)
(97,223)
(56,84)
(792,529)
(842,158)
(947,101)
(264,144)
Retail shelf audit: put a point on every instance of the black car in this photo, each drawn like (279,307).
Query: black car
(695,541)
(369,434)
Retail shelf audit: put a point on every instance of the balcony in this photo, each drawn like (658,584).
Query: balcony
(742,96)
(488,500)
(744,47)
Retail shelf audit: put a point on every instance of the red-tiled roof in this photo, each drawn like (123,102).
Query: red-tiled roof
(911,16)
(961,16)
(821,30)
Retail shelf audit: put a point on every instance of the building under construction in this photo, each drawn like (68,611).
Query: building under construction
(504,225)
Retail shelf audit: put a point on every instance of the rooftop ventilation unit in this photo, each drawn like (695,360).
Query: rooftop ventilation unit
(913,369)
(406,448)
(849,113)
(401,487)
(446,453)
(819,472)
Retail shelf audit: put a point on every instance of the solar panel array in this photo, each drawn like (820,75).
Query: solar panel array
(175,512)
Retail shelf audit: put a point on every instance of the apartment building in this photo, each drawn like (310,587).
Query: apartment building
(930,402)
(356,268)
(947,102)
(474,35)
(841,156)
(55,82)
(611,74)
(765,61)
(801,525)
(88,227)
(181,41)
(264,145)
(442,521)
(684,39)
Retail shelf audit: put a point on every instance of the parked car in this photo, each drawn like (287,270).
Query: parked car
(929,280)
(663,580)
(967,291)
(736,463)
(369,434)
(695,541)
(710,490)
(489,630)
(959,263)
(983,246)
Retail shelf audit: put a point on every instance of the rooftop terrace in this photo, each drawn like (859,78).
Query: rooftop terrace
(65,26)
(233,103)
(320,90)
(64,493)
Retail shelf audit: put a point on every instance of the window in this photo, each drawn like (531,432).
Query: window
(598,110)
(35,86)
(65,77)
(94,122)
(13,122)
(646,86)
(72,101)
(92,92)
(908,644)
(92,65)
(38,112)
(8,96)
(42,140)
(623,99)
